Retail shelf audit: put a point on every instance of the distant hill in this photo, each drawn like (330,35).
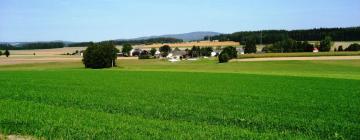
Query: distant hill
(186,36)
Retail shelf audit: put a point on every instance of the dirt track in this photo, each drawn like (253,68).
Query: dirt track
(299,58)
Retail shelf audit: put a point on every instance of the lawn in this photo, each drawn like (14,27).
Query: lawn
(155,99)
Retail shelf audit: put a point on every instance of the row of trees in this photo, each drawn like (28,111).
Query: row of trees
(131,42)
(352,47)
(272,36)
(31,46)
(291,45)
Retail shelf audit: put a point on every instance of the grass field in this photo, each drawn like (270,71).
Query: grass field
(298,54)
(154,99)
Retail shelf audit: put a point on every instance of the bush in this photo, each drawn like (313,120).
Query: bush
(353,47)
(1,53)
(340,49)
(230,51)
(325,45)
(126,49)
(224,58)
(7,53)
(307,47)
(152,52)
(206,51)
(144,55)
(101,55)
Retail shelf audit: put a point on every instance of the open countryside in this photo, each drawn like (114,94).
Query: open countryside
(114,70)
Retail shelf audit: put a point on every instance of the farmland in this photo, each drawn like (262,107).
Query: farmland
(156,99)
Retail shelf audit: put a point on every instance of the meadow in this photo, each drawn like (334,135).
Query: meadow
(155,99)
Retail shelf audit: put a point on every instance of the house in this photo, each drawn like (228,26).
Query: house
(240,50)
(215,53)
(180,54)
(316,50)
(135,52)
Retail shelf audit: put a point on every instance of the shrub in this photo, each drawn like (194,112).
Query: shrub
(144,55)
(101,55)
(325,45)
(340,49)
(353,47)
(230,51)
(223,57)
(1,53)
(307,47)
(7,53)
(206,51)
(126,49)
(152,52)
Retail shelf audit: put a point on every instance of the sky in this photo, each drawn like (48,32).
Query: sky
(97,20)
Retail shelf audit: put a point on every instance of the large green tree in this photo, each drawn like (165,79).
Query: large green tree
(206,51)
(250,46)
(325,45)
(100,55)
(126,49)
(231,51)
(152,51)
(165,50)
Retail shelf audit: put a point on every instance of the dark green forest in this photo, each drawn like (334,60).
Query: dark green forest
(49,45)
(31,46)
(131,42)
(272,36)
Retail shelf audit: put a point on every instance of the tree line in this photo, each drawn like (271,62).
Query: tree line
(272,36)
(50,45)
(132,42)
(31,46)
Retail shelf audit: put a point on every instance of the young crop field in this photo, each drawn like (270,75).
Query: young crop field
(154,99)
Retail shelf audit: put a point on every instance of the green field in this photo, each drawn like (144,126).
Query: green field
(155,99)
(298,54)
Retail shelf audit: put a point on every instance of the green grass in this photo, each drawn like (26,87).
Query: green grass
(188,100)
(299,54)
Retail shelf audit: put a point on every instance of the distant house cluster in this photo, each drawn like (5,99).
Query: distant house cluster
(179,54)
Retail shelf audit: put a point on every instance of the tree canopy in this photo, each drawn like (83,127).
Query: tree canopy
(100,55)
(272,36)
(7,53)
(126,49)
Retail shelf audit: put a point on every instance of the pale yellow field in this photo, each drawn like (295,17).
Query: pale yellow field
(47,52)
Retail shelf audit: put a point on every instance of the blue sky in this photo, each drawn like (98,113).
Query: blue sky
(96,20)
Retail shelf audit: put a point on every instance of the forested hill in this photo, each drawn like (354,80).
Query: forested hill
(31,46)
(271,36)
(50,45)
